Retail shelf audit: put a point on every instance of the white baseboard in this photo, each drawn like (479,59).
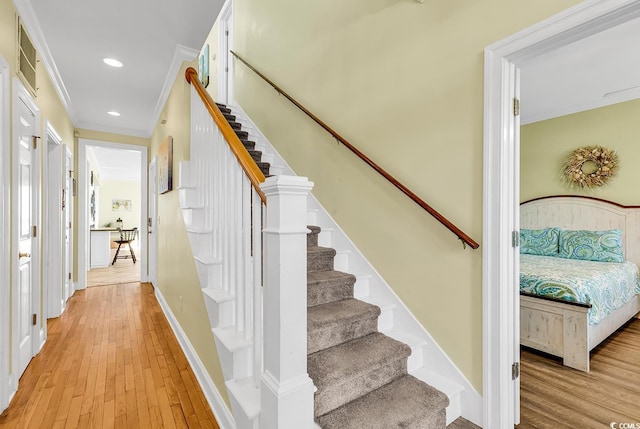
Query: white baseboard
(220,410)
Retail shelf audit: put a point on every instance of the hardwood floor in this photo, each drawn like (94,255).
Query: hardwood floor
(554,396)
(110,361)
(123,271)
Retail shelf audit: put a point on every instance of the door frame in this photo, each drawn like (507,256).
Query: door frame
(7,388)
(83,206)
(69,180)
(21,94)
(225,63)
(53,224)
(500,208)
(153,222)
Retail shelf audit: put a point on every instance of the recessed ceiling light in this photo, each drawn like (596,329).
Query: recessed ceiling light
(113,113)
(112,62)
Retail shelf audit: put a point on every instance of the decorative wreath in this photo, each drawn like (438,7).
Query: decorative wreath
(590,166)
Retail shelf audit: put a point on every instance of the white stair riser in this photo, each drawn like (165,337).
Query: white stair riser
(210,274)
(341,261)
(201,242)
(188,198)
(235,364)
(242,420)
(220,313)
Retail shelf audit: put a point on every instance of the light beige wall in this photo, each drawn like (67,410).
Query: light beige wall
(177,276)
(119,190)
(403,81)
(547,144)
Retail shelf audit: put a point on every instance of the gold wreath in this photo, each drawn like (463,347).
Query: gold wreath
(590,166)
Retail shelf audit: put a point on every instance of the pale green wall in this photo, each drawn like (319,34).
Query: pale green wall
(214,62)
(546,145)
(403,81)
(119,190)
(177,276)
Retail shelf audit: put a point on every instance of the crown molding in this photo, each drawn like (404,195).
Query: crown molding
(181,54)
(28,17)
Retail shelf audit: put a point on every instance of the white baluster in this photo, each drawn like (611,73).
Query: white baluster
(256,214)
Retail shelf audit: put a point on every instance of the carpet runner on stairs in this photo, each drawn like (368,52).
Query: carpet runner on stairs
(360,374)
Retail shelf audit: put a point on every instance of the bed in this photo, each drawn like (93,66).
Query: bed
(578,303)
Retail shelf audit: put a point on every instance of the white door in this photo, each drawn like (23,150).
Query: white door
(24,176)
(67,199)
(152,222)
(225,45)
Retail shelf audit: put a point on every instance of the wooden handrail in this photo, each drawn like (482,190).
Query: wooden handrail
(245,160)
(466,240)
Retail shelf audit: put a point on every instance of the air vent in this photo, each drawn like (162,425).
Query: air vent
(26,58)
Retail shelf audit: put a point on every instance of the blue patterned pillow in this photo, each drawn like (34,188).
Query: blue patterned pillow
(540,242)
(600,246)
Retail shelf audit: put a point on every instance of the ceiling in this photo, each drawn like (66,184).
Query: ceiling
(596,71)
(153,37)
(150,37)
(115,164)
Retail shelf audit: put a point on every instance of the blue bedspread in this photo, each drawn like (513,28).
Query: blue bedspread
(607,286)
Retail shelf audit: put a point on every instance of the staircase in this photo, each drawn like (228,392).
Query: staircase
(360,374)
(363,378)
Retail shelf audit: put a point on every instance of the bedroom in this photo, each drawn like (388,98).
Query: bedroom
(547,139)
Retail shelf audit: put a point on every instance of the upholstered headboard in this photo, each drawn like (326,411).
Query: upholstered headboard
(574,212)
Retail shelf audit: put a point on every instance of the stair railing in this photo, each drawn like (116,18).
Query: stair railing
(254,237)
(466,240)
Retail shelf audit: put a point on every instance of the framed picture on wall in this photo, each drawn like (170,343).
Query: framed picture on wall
(165,165)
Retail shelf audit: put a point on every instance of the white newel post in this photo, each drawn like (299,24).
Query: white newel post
(286,389)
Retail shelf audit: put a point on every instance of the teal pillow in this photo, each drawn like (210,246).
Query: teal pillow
(540,242)
(600,246)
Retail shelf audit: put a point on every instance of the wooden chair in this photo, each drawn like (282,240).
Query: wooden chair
(126,237)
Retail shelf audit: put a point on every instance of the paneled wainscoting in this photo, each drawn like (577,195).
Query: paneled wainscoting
(111,360)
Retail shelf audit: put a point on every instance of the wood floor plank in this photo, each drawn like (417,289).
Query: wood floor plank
(553,395)
(111,360)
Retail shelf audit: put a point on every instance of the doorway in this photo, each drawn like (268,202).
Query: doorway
(225,45)
(112,184)
(501,203)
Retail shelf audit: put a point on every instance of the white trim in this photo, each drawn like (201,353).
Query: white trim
(5,233)
(214,398)
(181,54)
(30,21)
(113,130)
(573,24)
(83,204)
(152,267)
(52,306)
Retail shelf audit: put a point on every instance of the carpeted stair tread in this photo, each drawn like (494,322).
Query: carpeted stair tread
(320,258)
(255,154)
(229,117)
(225,110)
(349,370)
(249,144)
(264,167)
(406,403)
(312,237)
(353,358)
(235,125)
(336,322)
(328,286)
(242,135)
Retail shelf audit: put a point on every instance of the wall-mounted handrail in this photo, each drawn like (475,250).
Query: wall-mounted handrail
(466,240)
(251,169)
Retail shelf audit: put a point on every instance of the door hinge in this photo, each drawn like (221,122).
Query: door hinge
(35,141)
(69,276)
(515,238)
(34,231)
(226,69)
(34,319)
(515,370)
(226,33)
(516,107)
